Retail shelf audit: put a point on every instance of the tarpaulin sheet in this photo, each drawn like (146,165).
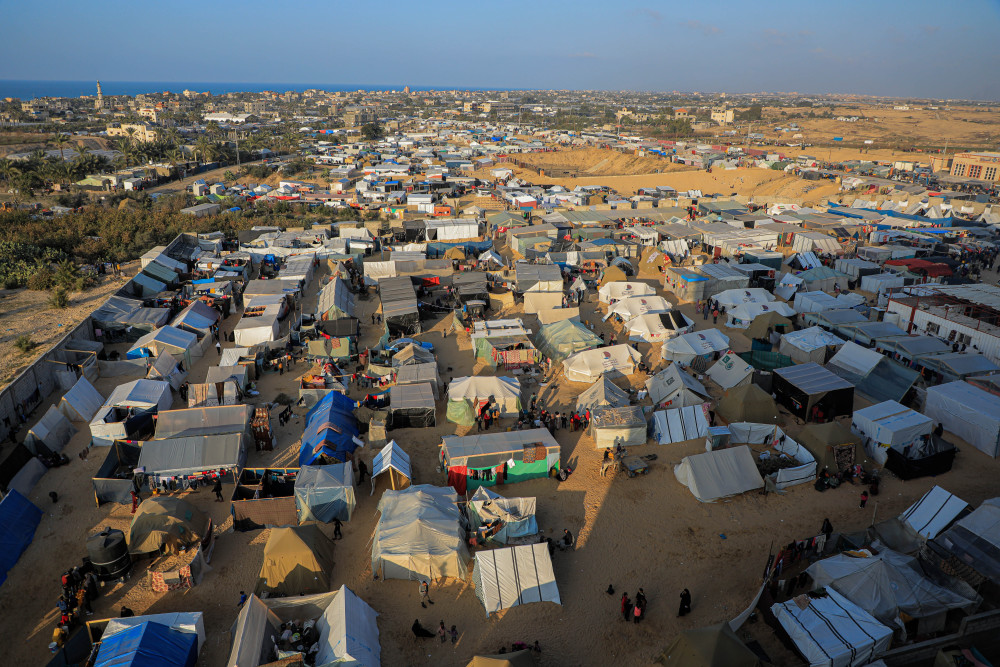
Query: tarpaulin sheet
(18,521)
(149,645)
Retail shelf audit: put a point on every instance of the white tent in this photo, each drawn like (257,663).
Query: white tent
(513,576)
(832,631)
(889,425)
(719,473)
(679,425)
(191,621)
(684,349)
(773,441)
(166,368)
(935,510)
(658,327)
(588,365)
(535,302)
(787,286)
(808,345)
(623,290)
(393,460)
(731,371)
(634,306)
(969,412)
(742,315)
(81,402)
(477,389)
(735,297)
(348,632)
(143,396)
(419,535)
(53,431)
(258,329)
(816,301)
(672,387)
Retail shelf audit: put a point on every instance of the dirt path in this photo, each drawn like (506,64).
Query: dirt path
(212,176)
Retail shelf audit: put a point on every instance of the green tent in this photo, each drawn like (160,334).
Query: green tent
(460,412)
(560,340)
(713,646)
(765,360)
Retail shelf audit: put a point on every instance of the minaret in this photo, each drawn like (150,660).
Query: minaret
(99,104)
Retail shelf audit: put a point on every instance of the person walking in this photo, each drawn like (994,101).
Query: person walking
(217,490)
(606,462)
(218,347)
(362,471)
(454,634)
(337,525)
(442,633)
(715,316)
(640,601)
(827,529)
(626,606)
(135,501)
(243,599)
(425,594)
(864,499)
(685,607)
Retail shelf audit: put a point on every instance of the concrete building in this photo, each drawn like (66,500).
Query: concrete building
(140,133)
(358,116)
(960,314)
(723,116)
(984,166)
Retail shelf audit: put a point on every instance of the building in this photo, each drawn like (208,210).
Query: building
(140,133)
(358,116)
(682,113)
(983,166)
(201,210)
(723,116)
(99,102)
(959,314)
(255,108)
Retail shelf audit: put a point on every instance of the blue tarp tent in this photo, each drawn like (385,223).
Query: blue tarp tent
(18,521)
(149,645)
(330,430)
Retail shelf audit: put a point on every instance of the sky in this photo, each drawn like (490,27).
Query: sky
(878,47)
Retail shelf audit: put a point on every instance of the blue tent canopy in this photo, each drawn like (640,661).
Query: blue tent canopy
(18,521)
(149,644)
(330,430)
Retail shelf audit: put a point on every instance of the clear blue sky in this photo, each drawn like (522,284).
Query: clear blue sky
(912,48)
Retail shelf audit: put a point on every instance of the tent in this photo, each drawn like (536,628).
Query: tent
(348,632)
(335,301)
(198,316)
(148,644)
(741,316)
(935,510)
(610,426)
(129,409)
(832,631)
(81,402)
(804,386)
(174,457)
(166,521)
(411,406)
(411,354)
(588,366)
(969,412)
(679,425)
(658,327)
(419,535)
(823,279)
(622,290)
(889,585)
(538,277)
(261,325)
(563,339)
(114,482)
(500,519)
(731,298)
(812,344)
(166,368)
(181,344)
(688,347)
(731,371)
(712,646)
(815,302)
(787,286)
(634,306)
(18,520)
(748,403)
(974,541)
(468,395)
(298,560)
(25,479)
(472,461)
(394,461)
(675,388)
(890,425)
(52,432)
(604,392)
(833,446)
(773,441)
(127,319)
(513,576)
(325,493)
(772,321)
(331,431)
(191,622)
(520,658)
(419,373)
(720,473)
(873,375)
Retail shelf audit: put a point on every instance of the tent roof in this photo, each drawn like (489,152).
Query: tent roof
(812,378)
(192,454)
(217,420)
(420,524)
(392,456)
(513,576)
(520,658)
(411,396)
(482,387)
(680,424)
(163,518)
(669,380)
(811,339)
(148,644)
(82,401)
(719,473)
(197,315)
(297,560)
(748,403)
(933,512)
(588,365)
(191,621)
(760,324)
(139,393)
(711,646)
(488,444)
(699,343)
(18,520)
(602,392)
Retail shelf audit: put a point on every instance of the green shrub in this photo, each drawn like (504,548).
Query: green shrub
(59,298)
(25,344)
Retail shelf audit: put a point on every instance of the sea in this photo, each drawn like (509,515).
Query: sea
(27,90)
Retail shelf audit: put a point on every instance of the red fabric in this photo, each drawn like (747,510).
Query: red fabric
(457,477)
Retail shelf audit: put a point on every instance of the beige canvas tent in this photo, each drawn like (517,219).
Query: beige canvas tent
(167,522)
(516,659)
(297,561)
(712,646)
(748,403)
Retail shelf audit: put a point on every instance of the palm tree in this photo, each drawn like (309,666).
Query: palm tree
(82,151)
(205,148)
(60,141)
(130,133)
(9,170)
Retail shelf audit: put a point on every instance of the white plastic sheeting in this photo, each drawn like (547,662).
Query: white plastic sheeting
(191,622)
(513,576)
(53,430)
(808,345)
(506,391)
(672,387)
(719,474)
(772,439)
(679,425)
(742,315)
(889,424)
(81,402)
(730,371)
(787,286)
(933,512)
(969,412)
(832,631)
(588,365)
(634,306)
(658,327)
(623,290)
(736,297)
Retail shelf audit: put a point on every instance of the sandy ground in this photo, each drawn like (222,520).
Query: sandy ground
(648,532)
(24,311)
(596,162)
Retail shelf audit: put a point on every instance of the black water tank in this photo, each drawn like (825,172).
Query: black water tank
(108,552)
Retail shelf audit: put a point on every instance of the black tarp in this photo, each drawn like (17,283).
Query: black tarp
(114,481)
(346,327)
(935,459)
(411,406)
(13,464)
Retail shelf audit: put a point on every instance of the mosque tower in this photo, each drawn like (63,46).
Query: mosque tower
(99,104)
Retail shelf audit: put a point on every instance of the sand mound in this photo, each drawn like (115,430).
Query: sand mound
(593,162)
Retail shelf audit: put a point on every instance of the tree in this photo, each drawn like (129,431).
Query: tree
(60,141)
(372,131)
(59,298)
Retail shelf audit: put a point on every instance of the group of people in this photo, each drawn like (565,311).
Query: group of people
(710,307)
(301,636)
(79,590)
(635,610)
(535,417)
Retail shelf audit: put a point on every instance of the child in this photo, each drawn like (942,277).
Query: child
(441,632)
(864,499)
(454,635)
